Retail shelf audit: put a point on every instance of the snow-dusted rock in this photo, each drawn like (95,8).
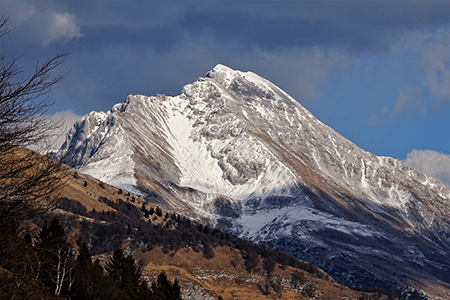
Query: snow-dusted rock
(237,151)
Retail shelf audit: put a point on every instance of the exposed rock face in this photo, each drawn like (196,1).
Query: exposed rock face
(235,150)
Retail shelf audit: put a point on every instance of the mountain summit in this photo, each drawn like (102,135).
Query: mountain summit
(236,151)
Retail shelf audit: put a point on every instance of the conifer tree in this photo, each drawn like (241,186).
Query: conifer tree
(163,289)
(90,280)
(51,234)
(123,270)
(158,211)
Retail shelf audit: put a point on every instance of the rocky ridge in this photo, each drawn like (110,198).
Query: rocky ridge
(238,152)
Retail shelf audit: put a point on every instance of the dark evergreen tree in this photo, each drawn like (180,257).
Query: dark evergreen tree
(51,234)
(208,251)
(123,270)
(158,211)
(269,265)
(16,253)
(251,261)
(163,289)
(91,282)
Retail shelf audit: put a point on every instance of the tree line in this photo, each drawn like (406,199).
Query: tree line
(172,232)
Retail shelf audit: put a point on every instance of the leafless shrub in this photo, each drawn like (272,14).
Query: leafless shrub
(27,180)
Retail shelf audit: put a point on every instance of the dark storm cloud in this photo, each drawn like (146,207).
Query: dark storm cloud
(160,40)
(148,47)
(354,26)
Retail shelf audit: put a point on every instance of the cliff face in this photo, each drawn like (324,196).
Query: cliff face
(236,151)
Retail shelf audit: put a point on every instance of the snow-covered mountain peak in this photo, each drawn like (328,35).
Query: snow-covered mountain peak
(235,150)
(221,71)
(248,84)
(226,76)
(255,140)
(121,107)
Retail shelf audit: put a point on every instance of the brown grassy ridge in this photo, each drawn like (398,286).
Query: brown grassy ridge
(222,275)
(86,190)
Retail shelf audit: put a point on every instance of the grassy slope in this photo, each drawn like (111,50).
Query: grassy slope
(220,277)
(223,275)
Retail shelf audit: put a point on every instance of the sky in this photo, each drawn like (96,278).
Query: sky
(378,72)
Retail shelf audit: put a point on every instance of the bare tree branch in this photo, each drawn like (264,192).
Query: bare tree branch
(3,29)
(27,180)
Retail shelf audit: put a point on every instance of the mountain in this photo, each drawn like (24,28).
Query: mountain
(46,251)
(237,152)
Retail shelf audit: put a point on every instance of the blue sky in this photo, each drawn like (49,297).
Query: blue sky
(378,72)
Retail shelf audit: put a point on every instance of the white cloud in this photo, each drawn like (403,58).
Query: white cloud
(40,23)
(430,162)
(61,27)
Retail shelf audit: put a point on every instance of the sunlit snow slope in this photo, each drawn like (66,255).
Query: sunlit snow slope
(235,150)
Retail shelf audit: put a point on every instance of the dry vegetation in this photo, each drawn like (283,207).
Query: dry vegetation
(205,261)
(225,276)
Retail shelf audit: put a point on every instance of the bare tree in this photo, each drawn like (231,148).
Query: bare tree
(65,262)
(27,180)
